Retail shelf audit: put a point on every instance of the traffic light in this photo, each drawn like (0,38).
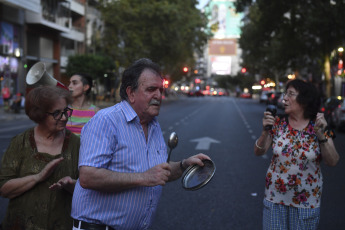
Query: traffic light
(243,70)
(262,82)
(165,83)
(185,69)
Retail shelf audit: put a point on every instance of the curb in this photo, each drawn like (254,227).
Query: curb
(11,117)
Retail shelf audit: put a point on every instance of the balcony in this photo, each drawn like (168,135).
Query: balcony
(74,34)
(77,7)
(30,5)
(53,14)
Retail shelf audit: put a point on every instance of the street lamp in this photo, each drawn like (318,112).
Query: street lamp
(291,76)
(18,52)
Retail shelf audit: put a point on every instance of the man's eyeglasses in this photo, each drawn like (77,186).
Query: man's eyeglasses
(57,115)
(289,94)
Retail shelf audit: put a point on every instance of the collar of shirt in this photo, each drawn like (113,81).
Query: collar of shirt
(131,115)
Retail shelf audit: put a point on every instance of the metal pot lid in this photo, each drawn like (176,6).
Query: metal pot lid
(196,177)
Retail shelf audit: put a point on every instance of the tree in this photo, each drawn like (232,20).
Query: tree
(231,82)
(298,35)
(94,65)
(166,31)
(100,67)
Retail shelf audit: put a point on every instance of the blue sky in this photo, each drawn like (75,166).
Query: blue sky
(202,3)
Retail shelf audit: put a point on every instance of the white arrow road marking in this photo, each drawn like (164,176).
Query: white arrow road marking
(264,156)
(204,143)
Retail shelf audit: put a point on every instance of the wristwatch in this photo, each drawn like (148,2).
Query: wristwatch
(329,133)
(181,166)
(324,140)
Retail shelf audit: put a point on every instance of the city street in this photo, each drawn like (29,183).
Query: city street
(225,128)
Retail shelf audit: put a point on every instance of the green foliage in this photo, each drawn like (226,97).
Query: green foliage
(231,82)
(280,35)
(94,65)
(166,31)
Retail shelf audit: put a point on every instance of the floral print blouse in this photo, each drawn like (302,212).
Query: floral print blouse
(294,176)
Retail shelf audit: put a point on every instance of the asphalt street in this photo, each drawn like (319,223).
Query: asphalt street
(225,128)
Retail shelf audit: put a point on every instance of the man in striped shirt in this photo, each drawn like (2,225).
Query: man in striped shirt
(123,157)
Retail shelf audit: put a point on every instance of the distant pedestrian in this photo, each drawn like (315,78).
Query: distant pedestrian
(6,95)
(16,103)
(123,157)
(80,87)
(300,141)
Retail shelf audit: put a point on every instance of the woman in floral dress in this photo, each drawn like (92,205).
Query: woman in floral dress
(300,141)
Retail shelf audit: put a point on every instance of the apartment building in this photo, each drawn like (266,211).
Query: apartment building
(39,31)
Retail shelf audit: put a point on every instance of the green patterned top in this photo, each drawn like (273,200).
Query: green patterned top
(39,208)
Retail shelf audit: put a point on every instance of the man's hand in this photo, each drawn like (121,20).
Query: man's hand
(196,159)
(157,175)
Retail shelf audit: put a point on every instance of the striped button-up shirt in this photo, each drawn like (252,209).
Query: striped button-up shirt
(114,139)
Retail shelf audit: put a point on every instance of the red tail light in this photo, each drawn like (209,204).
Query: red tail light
(323,109)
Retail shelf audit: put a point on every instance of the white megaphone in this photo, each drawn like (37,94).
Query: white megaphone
(38,75)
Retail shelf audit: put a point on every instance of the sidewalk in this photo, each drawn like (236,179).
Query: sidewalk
(9,116)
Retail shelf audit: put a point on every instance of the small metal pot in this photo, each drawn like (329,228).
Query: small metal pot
(196,177)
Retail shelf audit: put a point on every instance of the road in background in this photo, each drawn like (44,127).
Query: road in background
(233,198)
(225,128)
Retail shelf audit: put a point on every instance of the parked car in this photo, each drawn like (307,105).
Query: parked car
(197,93)
(280,103)
(264,96)
(219,92)
(246,95)
(273,98)
(340,115)
(332,108)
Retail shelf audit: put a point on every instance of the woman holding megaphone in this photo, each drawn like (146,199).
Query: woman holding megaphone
(80,87)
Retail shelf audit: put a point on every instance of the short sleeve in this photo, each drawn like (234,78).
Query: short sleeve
(275,128)
(11,161)
(97,142)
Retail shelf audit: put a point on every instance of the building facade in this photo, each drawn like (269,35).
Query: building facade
(39,31)
(223,53)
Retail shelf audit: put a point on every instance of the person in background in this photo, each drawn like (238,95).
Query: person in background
(300,141)
(80,87)
(123,157)
(6,95)
(40,167)
(16,103)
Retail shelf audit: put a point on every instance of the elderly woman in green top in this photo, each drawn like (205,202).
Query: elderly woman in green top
(40,167)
